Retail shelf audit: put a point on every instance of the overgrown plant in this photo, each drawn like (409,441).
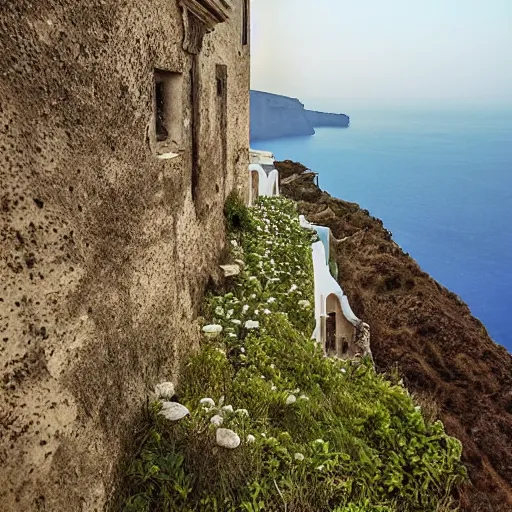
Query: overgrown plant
(306,432)
(236,213)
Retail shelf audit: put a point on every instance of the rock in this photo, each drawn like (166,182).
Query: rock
(217,420)
(230,270)
(227,438)
(323,216)
(290,179)
(173,411)
(212,330)
(164,390)
(208,402)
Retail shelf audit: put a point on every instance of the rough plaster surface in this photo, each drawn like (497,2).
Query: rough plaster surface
(104,253)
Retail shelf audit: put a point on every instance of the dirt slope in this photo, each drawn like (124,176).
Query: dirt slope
(425,330)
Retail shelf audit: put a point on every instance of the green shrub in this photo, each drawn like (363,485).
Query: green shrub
(236,213)
(327,434)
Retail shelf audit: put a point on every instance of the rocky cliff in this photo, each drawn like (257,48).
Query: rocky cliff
(318,119)
(274,116)
(425,332)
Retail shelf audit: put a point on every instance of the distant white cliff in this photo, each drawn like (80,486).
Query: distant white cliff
(274,116)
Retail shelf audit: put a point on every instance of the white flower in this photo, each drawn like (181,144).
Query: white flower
(303,397)
(227,408)
(230,312)
(273,388)
(245,308)
(232,335)
(242,349)
(298,456)
(272,299)
(208,402)
(263,376)
(212,330)
(236,322)
(251,438)
(227,438)
(418,408)
(320,468)
(242,412)
(173,411)
(267,311)
(291,399)
(252,278)
(256,311)
(217,420)
(263,434)
(234,243)
(292,288)
(164,390)
(219,311)
(252,324)
(304,303)
(343,370)
(272,365)
(253,296)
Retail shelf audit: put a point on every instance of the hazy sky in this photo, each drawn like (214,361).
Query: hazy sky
(376,51)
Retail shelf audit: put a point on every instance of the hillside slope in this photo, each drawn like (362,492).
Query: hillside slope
(425,330)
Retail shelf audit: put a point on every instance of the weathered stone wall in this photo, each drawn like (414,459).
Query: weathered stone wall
(104,250)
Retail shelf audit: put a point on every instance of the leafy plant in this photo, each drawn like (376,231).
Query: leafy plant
(236,213)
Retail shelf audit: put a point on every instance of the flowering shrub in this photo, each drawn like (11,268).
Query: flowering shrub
(273,423)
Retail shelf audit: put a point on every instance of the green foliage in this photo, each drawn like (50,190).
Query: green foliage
(324,434)
(333,268)
(236,213)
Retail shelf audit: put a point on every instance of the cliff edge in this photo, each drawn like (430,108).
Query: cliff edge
(444,354)
(274,116)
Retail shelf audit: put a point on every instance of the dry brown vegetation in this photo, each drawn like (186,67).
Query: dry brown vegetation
(428,333)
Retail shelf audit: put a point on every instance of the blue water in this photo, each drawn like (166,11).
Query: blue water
(441,181)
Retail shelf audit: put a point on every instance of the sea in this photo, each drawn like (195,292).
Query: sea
(441,181)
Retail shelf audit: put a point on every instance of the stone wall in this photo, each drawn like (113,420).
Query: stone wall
(105,248)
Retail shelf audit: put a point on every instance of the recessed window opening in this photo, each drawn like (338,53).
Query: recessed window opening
(221,78)
(245,23)
(168,109)
(331,333)
(161,130)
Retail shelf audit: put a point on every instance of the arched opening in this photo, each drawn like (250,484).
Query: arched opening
(274,187)
(255,183)
(340,333)
(330,334)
